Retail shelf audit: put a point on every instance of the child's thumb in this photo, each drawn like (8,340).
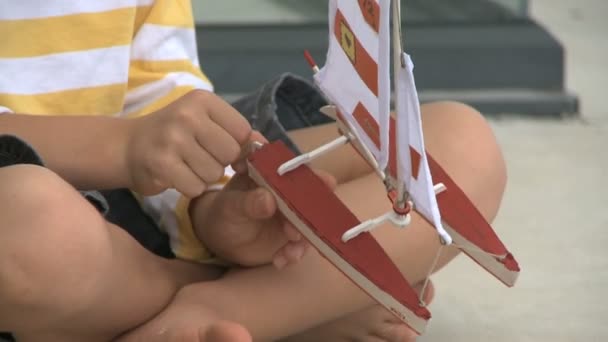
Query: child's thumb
(256,204)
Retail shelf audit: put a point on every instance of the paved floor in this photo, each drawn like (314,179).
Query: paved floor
(555,216)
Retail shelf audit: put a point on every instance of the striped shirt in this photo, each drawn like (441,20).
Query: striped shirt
(121,58)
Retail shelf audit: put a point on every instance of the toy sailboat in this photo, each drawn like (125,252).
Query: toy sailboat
(356,79)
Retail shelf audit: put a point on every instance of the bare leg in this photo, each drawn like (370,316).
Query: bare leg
(273,304)
(68,275)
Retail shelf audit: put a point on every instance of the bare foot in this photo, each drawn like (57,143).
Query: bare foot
(372,324)
(182,321)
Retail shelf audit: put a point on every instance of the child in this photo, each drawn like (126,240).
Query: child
(119,102)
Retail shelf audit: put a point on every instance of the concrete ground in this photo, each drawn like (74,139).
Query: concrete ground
(555,215)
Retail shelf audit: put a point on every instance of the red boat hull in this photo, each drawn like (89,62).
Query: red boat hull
(322,218)
(470,230)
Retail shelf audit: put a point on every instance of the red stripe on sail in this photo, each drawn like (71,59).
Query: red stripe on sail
(366,67)
(371,13)
(371,128)
(415,157)
(368,123)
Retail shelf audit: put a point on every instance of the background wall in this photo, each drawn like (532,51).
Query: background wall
(519,6)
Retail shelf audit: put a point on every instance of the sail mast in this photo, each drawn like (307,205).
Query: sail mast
(384,81)
(398,63)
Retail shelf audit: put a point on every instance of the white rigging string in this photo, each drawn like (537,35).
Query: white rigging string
(427,279)
(428,276)
(478,250)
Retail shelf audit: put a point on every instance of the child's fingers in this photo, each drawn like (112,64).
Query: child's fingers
(291,253)
(240,165)
(202,163)
(227,117)
(217,142)
(257,136)
(280,261)
(187,182)
(259,204)
(294,251)
(291,232)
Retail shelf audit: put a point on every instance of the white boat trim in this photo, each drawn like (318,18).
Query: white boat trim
(486,260)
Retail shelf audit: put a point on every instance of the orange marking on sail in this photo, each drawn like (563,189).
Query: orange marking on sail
(371,128)
(371,13)
(415,157)
(365,66)
(368,123)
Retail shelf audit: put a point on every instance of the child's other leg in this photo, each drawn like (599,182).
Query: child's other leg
(68,275)
(273,304)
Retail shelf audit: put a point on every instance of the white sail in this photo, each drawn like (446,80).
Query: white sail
(412,165)
(356,78)
(356,74)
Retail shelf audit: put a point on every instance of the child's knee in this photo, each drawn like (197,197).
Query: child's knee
(27,186)
(37,198)
(50,236)
(453,118)
(463,131)
(463,142)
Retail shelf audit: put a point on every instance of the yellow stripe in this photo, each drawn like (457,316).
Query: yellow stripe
(224,180)
(143,72)
(162,102)
(190,246)
(35,37)
(171,13)
(141,15)
(103,100)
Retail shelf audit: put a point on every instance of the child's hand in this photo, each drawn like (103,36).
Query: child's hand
(243,225)
(185,145)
